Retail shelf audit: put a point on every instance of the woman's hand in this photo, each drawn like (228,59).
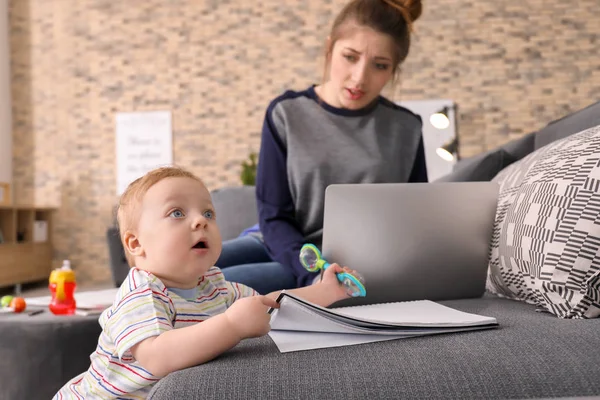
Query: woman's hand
(331,281)
(327,291)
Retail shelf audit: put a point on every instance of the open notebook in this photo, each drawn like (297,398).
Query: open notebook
(301,325)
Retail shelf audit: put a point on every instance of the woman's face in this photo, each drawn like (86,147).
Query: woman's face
(360,65)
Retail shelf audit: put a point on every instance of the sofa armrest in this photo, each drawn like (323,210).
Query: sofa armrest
(235,207)
(118,263)
(568,125)
(484,167)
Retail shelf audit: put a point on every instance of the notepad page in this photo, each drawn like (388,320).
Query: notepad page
(414,313)
(421,313)
(294,316)
(300,325)
(287,341)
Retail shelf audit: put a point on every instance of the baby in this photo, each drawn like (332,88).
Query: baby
(175,309)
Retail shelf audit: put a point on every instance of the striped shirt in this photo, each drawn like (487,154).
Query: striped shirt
(144,308)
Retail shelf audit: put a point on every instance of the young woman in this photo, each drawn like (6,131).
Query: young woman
(341,131)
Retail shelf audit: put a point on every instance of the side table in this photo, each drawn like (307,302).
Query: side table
(40,353)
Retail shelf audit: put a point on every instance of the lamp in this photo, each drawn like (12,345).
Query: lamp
(440,119)
(449,150)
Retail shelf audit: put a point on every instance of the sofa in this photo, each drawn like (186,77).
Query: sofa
(533,354)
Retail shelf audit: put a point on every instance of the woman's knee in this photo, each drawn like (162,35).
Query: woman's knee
(242,250)
(262,277)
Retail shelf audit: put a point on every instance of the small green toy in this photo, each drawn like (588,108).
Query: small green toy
(311,259)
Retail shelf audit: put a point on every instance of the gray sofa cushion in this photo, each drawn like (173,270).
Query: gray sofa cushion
(235,207)
(480,168)
(119,267)
(568,125)
(519,148)
(484,167)
(531,355)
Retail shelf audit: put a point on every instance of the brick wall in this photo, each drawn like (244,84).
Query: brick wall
(511,66)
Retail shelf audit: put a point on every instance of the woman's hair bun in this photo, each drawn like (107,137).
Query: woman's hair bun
(412,8)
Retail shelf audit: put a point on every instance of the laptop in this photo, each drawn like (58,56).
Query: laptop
(411,241)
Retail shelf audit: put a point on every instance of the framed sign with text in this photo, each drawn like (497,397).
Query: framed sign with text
(144,142)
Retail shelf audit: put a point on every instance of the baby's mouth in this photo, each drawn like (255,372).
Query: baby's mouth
(202,244)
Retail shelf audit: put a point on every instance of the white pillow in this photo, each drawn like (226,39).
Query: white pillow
(545,246)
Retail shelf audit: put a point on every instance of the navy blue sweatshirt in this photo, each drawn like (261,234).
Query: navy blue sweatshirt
(307,145)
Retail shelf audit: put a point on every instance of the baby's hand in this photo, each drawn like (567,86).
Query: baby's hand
(249,317)
(330,279)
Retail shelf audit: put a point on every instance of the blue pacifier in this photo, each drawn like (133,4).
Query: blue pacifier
(311,259)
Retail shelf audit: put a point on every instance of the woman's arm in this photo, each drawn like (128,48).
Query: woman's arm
(419,170)
(276,211)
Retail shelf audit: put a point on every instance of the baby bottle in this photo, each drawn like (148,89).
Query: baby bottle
(62,285)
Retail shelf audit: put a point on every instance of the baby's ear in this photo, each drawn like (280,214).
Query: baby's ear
(132,244)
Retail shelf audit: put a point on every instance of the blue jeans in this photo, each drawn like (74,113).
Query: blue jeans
(245,260)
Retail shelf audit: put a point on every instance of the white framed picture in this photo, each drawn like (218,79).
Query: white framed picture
(144,141)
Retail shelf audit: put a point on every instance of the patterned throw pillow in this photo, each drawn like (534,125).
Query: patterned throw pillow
(545,246)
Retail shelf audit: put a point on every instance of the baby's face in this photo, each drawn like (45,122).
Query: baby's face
(178,232)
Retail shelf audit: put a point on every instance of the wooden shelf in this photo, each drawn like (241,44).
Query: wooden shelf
(24,262)
(8,226)
(26,245)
